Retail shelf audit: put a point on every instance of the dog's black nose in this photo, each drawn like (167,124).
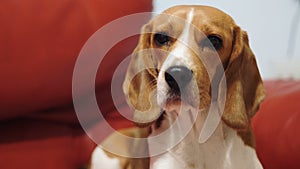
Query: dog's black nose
(178,77)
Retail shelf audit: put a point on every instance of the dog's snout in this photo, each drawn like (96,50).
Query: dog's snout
(177,77)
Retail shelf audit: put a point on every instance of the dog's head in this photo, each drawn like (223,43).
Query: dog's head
(182,55)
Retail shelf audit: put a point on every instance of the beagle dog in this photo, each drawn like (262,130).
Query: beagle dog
(177,73)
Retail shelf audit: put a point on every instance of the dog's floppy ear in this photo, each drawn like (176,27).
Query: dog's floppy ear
(139,82)
(245,89)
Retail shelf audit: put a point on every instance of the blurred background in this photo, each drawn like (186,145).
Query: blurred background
(273,29)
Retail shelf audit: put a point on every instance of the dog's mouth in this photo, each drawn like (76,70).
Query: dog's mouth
(159,113)
(176,114)
(171,110)
(167,105)
(158,122)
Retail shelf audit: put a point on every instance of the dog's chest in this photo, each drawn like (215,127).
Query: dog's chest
(188,159)
(216,153)
(189,154)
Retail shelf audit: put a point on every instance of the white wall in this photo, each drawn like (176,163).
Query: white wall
(268,24)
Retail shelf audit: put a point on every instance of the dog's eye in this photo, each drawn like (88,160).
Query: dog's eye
(212,41)
(161,38)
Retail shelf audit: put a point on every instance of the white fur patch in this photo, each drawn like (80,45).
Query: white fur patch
(178,57)
(101,161)
(217,153)
(239,155)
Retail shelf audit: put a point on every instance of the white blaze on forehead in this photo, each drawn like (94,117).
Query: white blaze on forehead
(188,23)
(178,57)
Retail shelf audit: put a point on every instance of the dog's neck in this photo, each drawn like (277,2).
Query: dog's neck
(223,150)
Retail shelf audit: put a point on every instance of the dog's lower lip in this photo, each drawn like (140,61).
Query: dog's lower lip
(160,119)
(173,100)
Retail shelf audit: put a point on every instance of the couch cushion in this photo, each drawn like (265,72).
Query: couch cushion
(40,41)
(43,144)
(276,125)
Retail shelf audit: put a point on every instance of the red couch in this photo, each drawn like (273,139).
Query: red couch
(40,41)
(277,126)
